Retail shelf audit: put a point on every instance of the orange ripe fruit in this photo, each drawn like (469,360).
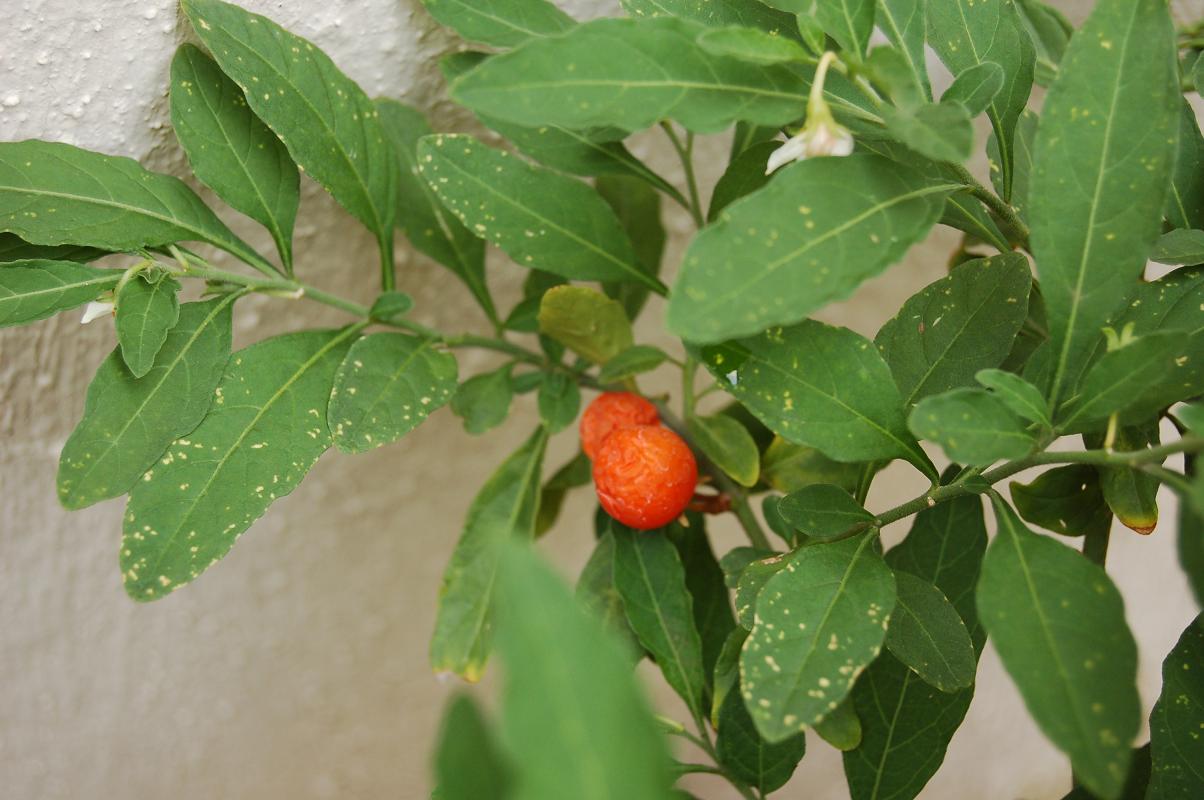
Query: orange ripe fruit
(609,412)
(645,476)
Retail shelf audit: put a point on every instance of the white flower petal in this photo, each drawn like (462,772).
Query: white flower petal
(95,310)
(794,149)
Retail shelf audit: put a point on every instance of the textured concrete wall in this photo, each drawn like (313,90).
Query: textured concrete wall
(297,667)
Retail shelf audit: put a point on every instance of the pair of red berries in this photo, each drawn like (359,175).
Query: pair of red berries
(644,474)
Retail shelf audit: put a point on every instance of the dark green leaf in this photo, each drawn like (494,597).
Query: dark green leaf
(726,674)
(705,581)
(586,321)
(633,361)
(966,213)
(1058,624)
(744,175)
(266,428)
(764,766)
(927,634)
(729,445)
(1131,494)
(735,560)
(819,621)
(469,763)
(1176,749)
(596,592)
(941,131)
(1017,394)
(575,473)
(14,248)
(789,467)
(128,423)
(753,45)
(972,426)
(902,21)
(483,401)
(1180,246)
(1065,500)
(501,23)
(1136,785)
(956,326)
(231,150)
(36,289)
(504,509)
(823,511)
(559,401)
(752,579)
(1185,201)
(147,307)
(1171,303)
(975,88)
(1050,32)
(1190,546)
(811,236)
(638,207)
(390,305)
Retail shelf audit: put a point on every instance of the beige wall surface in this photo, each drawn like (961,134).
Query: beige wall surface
(297,667)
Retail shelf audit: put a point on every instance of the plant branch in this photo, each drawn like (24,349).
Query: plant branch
(685,152)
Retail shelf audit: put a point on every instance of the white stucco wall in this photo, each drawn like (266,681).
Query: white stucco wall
(297,667)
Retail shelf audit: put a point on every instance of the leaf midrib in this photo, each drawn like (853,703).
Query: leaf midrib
(60,289)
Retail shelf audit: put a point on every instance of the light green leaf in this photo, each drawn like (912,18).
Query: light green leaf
(821,386)
(1066,500)
(650,579)
(634,360)
(965,322)
(14,248)
(328,124)
(386,386)
(559,401)
(928,636)
(390,305)
(1102,159)
(231,150)
(1185,202)
(728,444)
(940,131)
(147,307)
(36,289)
(976,87)
(1180,246)
(717,13)
(266,428)
(469,763)
(1176,750)
(965,34)
(596,593)
(823,511)
(574,716)
(809,237)
(744,175)
(638,207)
(820,620)
(788,467)
(128,423)
(504,509)
(483,401)
(585,321)
(764,766)
(972,426)
(1058,624)
(501,23)
(430,227)
(841,728)
(753,45)
(1024,399)
(902,21)
(108,202)
(540,218)
(849,22)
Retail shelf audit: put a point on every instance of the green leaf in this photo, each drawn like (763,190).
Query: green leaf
(1180,246)
(965,34)
(849,22)
(1024,399)
(809,237)
(585,321)
(128,423)
(469,763)
(965,213)
(752,580)
(108,202)
(330,127)
(975,87)
(1022,162)
(574,716)
(1171,303)
(956,326)
(728,444)
(1132,494)
(1050,31)
(597,594)
(788,467)
(1102,159)
(638,207)
(1058,624)
(37,289)
(430,227)
(940,131)
(650,578)
(483,401)
(629,73)
(147,307)
(266,428)
(819,622)
(231,150)
(14,248)
(1176,750)
(717,13)
(841,728)
(823,511)
(634,360)
(576,472)
(765,767)
(821,386)
(391,305)
(726,673)
(540,218)
(386,386)
(744,175)
(501,23)
(1136,785)
(972,426)
(928,636)
(559,401)
(504,509)
(708,589)
(734,561)
(1189,545)
(753,45)
(1185,202)
(902,21)
(907,723)
(1066,500)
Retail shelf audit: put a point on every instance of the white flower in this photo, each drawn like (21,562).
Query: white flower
(822,135)
(95,310)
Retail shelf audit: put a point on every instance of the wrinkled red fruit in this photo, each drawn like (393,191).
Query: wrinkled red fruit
(645,476)
(609,412)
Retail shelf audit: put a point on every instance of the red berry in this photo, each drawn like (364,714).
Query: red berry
(645,476)
(610,411)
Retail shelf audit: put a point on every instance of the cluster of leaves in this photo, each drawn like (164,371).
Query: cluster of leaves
(991,364)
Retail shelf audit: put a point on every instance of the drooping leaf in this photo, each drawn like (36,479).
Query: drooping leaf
(597,594)
(976,87)
(1066,500)
(956,326)
(1180,246)
(386,386)
(469,763)
(972,426)
(36,289)
(231,150)
(1185,201)
(147,307)
(823,511)
(1058,624)
(638,207)
(576,720)
(14,248)
(129,422)
(504,509)
(1131,494)
(483,401)
(330,127)
(1103,155)
(630,362)
(902,21)
(586,321)
(744,175)
(811,236)
(820,386)
(57,194)
(559,401)
(789,467)
(728,444)
(941,131)
(210,486)
(429,226)
(819,621)
(764,766)
(1176,750)
(927,634)
(501,23)
(1024,399)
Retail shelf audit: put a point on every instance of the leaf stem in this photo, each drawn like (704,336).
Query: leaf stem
(388,278)
(685,152)
(995,203)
